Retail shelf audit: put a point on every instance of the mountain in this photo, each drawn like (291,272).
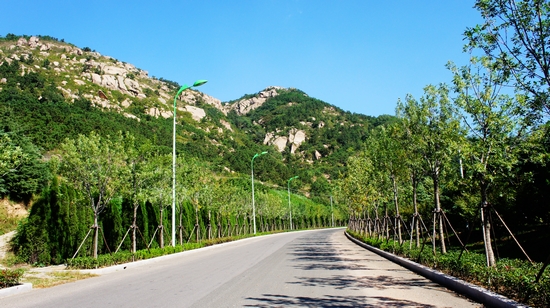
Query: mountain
(51,90)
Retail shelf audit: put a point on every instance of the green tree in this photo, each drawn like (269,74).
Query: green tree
(515,34)
(95,165)
(393,158)
(140,171)
(412,139)
(160,192)
(491,120)
(11,158)
(439,129)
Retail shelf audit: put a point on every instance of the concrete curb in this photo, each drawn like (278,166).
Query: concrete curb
(121,267)
(25,287)
(476,293)
(138,263)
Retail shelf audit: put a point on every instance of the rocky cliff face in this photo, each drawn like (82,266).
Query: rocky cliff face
(244,106)
(80,70)
(294,139)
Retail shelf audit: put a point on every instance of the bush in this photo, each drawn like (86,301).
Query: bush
(512,278)
(10,278)
(126,256)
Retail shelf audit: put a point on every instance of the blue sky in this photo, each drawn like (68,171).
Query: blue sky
(359,55)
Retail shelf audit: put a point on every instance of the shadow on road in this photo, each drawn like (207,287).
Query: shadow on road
(275,300)
(357,283)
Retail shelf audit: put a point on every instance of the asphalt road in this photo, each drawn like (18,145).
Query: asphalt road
(301,269)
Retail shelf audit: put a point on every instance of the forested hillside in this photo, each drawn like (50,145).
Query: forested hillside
(59,101)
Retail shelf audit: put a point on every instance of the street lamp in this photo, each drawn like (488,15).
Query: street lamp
(289,207)
(183,88)
(253,206)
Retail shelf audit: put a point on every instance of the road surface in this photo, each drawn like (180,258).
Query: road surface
(299,269)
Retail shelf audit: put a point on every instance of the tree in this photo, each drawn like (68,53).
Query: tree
(95,165)
(160,192)
(139,164)
(438,128)
(411,139)
(11,158)
(515,35)
(192,177)
(393,159)
(491,120)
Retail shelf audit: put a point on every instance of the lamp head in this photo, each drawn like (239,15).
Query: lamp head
(199,82)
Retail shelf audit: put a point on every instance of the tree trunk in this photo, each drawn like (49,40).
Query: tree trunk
(197,226)
(438,217)
(386,222)
(395,201)
(134,227)
(96,233)
(486,226)
(209,225)
(219,222)
(416,225)
(161,227)
(180,227)
(376,221)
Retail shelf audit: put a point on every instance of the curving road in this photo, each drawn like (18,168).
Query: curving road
(302,269)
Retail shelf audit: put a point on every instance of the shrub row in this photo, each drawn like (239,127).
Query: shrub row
(126,256)
(10,278)
(512,278)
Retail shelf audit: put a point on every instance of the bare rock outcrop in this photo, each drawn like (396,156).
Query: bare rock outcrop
(34,42)
(226,125)
(191,97)
(22,42)
(280,143)
(268,138)
(244,106)
(114,70)
(295,138)
(133,86)
(196,113)
(155,112)
(109,81)
(317,155)
(45,47)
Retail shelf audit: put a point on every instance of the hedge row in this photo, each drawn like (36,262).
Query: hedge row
(512,278)
(126,256)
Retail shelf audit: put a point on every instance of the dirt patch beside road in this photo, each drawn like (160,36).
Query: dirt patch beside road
(4,243)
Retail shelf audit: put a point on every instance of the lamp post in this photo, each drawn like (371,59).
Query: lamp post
(183,88)
(252,173)
(289,207)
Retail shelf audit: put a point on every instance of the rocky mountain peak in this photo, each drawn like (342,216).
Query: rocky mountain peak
(244,106)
